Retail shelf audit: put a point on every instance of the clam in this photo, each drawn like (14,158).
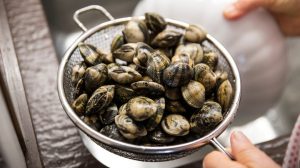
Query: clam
(78,72)
(148,88)
(194,34)
(136,31)
(155,22)
(173,93)
(100,99)
(126,52)
(157,62)
(167,52)
(112,131)
(93,121)
(123,94)
(89,53)
(177,74)
(193,50)
(146,78)
(117,42)
(205,76)
(107,116)
(105,57)
(129,128)
(155,119)
(123,74)
(175,107)
(79,104)
(78,88)
(225,94)
(184,58)
(123,109)
(221,77)
(176,125)
(141,108)
(166,38)
(95,76)
(208,117)
(158,136)
(143,52)
(194,94)
(211,59)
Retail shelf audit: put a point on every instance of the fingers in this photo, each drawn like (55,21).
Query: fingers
(247,154)
(217,159)
(242,7)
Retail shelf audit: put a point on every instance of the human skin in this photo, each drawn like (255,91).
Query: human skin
(285,12)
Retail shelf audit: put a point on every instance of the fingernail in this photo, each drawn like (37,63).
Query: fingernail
(238,136)
(232,12)
(231,9)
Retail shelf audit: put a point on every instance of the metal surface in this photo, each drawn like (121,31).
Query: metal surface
(221,148)
(101,36)
(12,85)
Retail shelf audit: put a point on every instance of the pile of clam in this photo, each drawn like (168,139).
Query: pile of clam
(156,87)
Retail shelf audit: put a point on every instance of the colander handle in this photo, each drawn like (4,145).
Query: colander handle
(221,148)
(89,8)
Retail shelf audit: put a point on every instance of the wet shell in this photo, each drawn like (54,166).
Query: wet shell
(184,58)
(167,51)
(221,77)
(176,125)
(100,99)
(211,59)
(154,120)
(123,94)
(146,78)
(158,136)
(89,53)
(225,94)
(143,52)
(123,74)
(93,121)
(105,57)
(129,128)
(123,109)
(194,94)
(78,88)
(107,116)
(78,72)
(112,131)
(173,93)
(194,50)
(155,22)
(166,38)
(177,74)
(157,62)
(194,34)
(117,42)
(136,31)
(126,52)
(148,88)
(95,77)
(205,76)
(207,118)
(141,108)
(79,104)
(175,107)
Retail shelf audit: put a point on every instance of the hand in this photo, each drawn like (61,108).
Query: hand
(245,153)
(286,12)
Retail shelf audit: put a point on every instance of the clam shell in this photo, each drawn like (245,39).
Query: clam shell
(117,42)
(157,62)
(129,128)
(158,136)
(194,94)
(177,74)
(107,116)
(211,59)
(78,72)
(148,88)
(136,31)
(89,53)
(193,50)
(126,52)
(141,108)
(166,38)
(207,118)
(95,77)
(155,22)
(155,119)
(100,99)
(225,94)
(194,34)
(176,125)
(112,131)
(205,76)
(123,74)
(79,104)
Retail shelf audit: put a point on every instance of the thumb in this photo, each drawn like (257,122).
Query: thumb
(247,154)
(242,7)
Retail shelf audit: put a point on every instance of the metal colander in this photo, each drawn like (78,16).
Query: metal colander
(101,36)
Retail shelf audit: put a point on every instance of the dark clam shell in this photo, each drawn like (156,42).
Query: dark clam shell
(177,74)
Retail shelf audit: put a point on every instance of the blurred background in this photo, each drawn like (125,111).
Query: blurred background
(269,63)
